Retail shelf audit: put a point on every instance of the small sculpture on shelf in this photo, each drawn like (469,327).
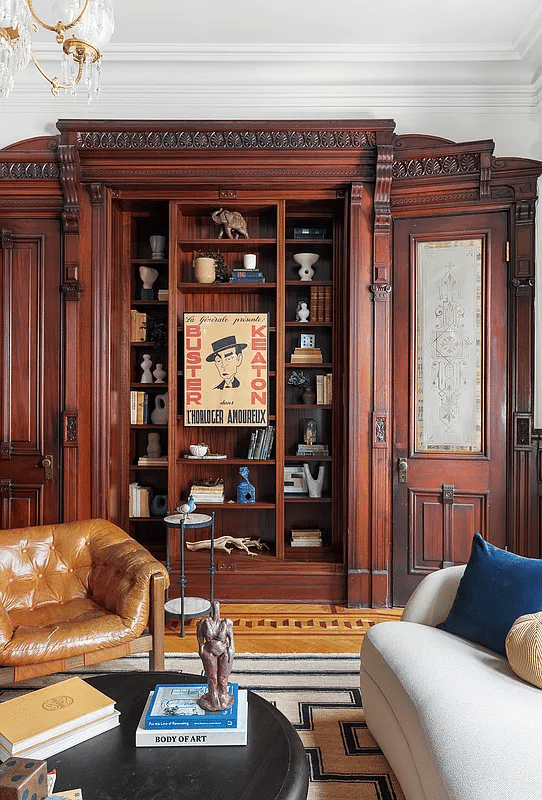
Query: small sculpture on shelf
(227,543)
(148,275)
(216,650)
(146,365)
(159,505)
(308,430)
(159,415)
(246,493)
(306,260)
(314,484)
(154,449)
(158,245)
(302,312)
(159,374)
(233,224)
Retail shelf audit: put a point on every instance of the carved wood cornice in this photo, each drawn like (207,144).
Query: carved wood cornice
(25,170)
(226,140)
(433,166)
(435,199)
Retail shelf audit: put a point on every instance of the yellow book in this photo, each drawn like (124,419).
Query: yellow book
(45,713)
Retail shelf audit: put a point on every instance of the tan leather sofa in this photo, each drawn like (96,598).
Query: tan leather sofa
(74,594)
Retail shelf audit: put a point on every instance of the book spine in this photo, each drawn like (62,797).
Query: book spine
(189,739)
(252,444)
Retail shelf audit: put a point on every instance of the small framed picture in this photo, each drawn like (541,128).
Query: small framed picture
(307,340)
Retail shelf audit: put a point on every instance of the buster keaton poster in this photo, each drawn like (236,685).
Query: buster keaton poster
(225,369)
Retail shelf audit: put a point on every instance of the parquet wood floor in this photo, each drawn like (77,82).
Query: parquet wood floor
(288,628)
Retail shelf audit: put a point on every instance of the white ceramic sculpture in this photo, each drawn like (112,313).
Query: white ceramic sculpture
(306,260)
(159,374)
(314,484)
(302,313)
(146,365)
(159,415)
(148,275)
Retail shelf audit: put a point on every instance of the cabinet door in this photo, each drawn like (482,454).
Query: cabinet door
(450,389)
(30,406)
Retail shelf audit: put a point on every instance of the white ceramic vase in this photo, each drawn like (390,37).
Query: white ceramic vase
(306,260)
(159,415)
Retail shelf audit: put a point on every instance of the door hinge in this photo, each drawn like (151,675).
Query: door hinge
(507,252)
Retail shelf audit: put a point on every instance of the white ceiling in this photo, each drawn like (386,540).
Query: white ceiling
(300,59)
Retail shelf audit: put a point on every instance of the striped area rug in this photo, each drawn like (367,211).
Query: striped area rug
(320,696)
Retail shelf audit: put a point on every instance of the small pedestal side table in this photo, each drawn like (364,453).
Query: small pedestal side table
(190,607)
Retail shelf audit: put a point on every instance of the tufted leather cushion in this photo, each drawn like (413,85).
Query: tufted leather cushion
(71,588)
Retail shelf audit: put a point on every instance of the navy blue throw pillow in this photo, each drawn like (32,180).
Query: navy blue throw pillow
(497,587)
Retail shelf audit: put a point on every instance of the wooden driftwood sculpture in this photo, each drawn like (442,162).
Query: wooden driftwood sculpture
(228,543)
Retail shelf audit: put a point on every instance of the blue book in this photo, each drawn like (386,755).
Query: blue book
(176,706)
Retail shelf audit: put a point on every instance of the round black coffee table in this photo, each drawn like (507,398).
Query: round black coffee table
(272,766)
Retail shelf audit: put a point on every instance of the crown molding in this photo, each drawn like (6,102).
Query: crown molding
(288,52)
(118,100)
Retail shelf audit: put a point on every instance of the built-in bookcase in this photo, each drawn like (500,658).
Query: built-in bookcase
(278,229)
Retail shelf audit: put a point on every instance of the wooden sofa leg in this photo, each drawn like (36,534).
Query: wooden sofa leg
(157,622)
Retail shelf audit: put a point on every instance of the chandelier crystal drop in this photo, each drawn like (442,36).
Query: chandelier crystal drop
(83,29)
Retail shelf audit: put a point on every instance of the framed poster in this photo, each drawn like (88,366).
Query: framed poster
(225,369)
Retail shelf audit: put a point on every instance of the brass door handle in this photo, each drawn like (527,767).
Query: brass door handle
(403,467)
(47,464)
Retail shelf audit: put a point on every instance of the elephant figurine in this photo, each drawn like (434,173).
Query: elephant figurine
(233,224)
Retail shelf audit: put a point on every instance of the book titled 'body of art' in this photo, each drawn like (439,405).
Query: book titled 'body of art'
(54,718)
(195,737)
(176,706)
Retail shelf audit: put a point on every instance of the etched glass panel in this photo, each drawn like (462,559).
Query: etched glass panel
(449,351)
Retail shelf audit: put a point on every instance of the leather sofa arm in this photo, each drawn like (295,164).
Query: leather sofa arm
(120,575)
(6,628)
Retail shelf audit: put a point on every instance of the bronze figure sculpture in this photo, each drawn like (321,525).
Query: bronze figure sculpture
(216,650)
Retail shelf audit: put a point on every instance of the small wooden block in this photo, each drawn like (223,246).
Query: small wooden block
(23,779)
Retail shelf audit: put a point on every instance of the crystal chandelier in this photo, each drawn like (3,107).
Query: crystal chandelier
(83,30)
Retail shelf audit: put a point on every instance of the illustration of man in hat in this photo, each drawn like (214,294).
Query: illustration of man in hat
(227,355)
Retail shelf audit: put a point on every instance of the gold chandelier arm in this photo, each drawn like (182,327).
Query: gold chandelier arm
(55,83)
(59,28)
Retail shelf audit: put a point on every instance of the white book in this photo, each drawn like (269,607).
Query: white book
(62,742)
(200,737)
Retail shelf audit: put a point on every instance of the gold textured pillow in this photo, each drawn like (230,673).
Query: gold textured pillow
(524,648)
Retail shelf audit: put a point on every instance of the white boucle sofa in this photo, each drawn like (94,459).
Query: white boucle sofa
(453,720)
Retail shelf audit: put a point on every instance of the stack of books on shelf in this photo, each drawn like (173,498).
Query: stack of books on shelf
(246,276)
(138,322)
(208,492)
(139,500)
(321,303)
(261,442)
(148,461)
(47,721)
(306,537)
(324,385)
(163,294)
(173,718)
(312,450)
(140,413)
(306,355)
